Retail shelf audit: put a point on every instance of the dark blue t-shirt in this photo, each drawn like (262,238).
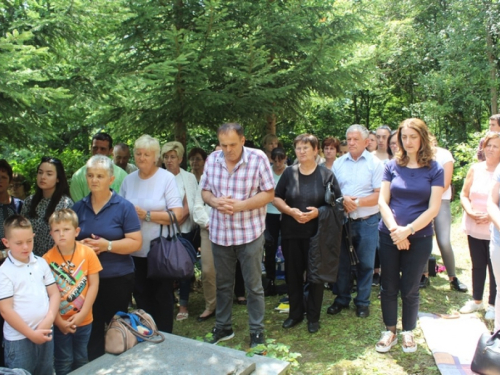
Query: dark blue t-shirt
(117,218)
(410,193)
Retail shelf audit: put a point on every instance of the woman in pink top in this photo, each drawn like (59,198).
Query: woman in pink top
(476,224)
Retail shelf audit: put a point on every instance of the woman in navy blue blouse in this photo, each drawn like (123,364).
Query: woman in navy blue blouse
(110,226)
(410,197)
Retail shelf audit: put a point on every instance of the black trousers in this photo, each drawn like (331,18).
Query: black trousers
(296,253)
(155,296)
(273,222)
(480,256)
(114,295)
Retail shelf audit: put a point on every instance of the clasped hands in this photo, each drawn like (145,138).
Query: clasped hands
(96,243)
(399,236)
(480,217)
(304,217)
(227,205)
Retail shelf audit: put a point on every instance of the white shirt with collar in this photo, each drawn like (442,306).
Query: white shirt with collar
(27,284)
(359,178)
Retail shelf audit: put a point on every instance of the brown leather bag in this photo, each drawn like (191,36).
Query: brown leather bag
(126,330)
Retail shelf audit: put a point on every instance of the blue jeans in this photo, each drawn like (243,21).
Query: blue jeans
(34,358)
(70,351)
(364,235)
(250,257)
(402,272)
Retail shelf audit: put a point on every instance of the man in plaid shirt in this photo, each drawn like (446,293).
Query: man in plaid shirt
(237,183)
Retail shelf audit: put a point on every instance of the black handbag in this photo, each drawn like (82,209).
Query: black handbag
(353,256)
(486,360)
(171,257)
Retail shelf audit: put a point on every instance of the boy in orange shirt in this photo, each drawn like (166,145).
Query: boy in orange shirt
(76,270)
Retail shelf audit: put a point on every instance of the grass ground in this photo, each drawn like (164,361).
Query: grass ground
(345,344)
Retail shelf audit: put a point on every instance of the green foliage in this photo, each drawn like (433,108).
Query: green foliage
(276,350)
(26,162)
(464,155)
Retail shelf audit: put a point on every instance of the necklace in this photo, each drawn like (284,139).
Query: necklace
(68,264)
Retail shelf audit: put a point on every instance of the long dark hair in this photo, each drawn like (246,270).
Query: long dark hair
(62,188)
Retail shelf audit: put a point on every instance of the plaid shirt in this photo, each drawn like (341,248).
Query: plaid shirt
(251,175)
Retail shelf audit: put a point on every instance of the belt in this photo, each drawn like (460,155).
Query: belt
(363,218)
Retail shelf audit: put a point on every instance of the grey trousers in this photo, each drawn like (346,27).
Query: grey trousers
(442,228)
(250,257)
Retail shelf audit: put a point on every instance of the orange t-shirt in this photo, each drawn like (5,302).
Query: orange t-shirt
(73,281)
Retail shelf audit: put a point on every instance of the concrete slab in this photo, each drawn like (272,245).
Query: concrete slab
(182,356)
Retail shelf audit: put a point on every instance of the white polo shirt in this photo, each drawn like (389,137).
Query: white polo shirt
(27,284)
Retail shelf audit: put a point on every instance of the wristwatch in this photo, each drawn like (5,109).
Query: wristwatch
(357,202)
(148,216)
(110,246)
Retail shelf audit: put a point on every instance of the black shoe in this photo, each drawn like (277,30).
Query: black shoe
(219,335)
(241,301)
(363,311)
(376,279)
(313,327)
(203,318)
(335,308)
(289,323)
(270,289)
(256,339)
(455,284)
(424,282)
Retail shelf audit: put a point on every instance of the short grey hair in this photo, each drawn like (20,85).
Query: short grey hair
(149,143)
(103,162)
(358,128)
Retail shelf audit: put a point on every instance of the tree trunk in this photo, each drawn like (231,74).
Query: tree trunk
(493,70)
(271,124)
(180,136)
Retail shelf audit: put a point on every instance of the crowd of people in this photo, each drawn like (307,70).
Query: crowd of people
(79,251)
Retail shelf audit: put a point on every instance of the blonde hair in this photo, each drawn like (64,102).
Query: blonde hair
(425,154)
(173,146)
(489,137)
(66,215)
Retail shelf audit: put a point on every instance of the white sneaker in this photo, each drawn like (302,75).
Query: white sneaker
(386,342)
(490,313)
(409,345)
(471,306)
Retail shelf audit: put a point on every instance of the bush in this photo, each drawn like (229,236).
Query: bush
(465,156)
(26,162)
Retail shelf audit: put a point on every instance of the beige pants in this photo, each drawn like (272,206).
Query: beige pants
(207,271)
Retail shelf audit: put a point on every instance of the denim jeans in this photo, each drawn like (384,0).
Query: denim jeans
(364,235)
(402,272)
(250,257)
(70,351)
(34,358)
(495,262)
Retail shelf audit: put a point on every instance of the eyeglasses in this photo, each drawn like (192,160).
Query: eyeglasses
(303,149)
(49,159)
